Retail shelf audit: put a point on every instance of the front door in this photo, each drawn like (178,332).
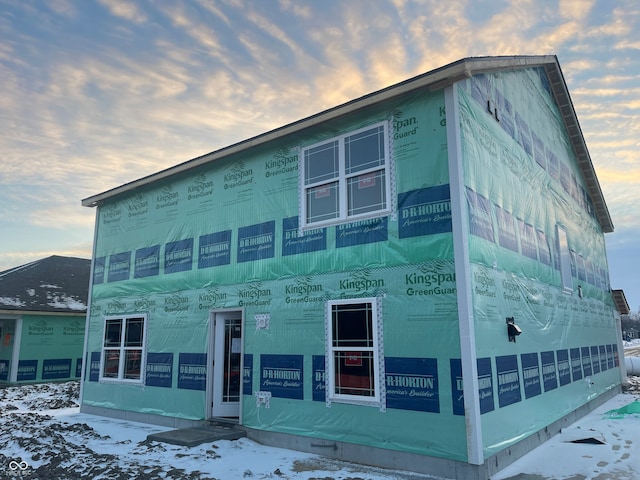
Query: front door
(227,374)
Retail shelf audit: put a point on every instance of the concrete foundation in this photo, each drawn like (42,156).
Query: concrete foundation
(444,468)
(378,457)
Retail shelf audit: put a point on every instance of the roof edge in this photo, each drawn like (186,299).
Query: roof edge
(620,301)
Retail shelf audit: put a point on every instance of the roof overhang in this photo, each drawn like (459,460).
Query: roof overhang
(620,301)
(433,80)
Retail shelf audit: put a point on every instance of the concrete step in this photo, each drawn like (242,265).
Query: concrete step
(192,436)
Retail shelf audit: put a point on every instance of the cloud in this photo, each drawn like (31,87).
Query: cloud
(577,9)
(611,79)
(62,7)
(126,10)
(299,9)
(63,215)
(274,31)
(190,24)
(605,92)
(213,8)
(581,65)
(627,45)
(620,24)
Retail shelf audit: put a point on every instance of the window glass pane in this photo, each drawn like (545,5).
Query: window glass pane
(354,373)
(232,372)
(111,363)
(364,150)
(113,333)
(366,193)
(132,364)
(352,325)
(123,348)
(133,333)
(321,163)
(322,202)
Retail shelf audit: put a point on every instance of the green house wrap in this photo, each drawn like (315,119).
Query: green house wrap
(419,273)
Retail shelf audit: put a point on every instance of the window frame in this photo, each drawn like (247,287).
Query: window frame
(376,400)
(342,179)
(122,348)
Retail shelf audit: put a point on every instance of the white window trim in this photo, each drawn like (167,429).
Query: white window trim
(388,168)
(564,260)
(122,348)
(378,400)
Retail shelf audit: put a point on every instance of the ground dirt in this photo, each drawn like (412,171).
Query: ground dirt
(54,449)
(68,451)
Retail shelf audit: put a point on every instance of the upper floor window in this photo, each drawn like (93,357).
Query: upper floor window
(346,178)
(123,349)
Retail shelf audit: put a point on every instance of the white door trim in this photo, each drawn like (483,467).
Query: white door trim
(211,343)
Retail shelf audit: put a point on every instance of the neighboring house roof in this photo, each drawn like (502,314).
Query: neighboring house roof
(53,284)
(433,80)
(620,301)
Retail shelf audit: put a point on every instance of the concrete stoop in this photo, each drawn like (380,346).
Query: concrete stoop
(193,436)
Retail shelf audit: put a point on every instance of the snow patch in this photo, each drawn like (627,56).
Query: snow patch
(69,303)
(12,302)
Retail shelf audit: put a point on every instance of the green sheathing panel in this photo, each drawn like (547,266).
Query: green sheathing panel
(523,185)
(51,348)
(420,332)
(226,237)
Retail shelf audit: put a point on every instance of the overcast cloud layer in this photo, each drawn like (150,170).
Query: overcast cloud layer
(97,93)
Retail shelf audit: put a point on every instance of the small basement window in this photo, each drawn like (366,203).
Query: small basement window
(123,349)
(346,178)
(353,370)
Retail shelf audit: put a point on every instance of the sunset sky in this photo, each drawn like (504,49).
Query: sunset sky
(97,93)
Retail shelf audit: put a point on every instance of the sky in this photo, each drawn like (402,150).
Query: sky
(98,93)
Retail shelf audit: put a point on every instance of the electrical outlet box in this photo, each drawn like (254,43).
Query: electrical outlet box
(263,399)
(262,321)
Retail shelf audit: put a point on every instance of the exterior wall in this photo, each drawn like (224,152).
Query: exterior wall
(49,348)
(180,249)
(522,183)
(404,260)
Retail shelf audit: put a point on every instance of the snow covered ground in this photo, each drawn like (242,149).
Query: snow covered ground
(633,343)
(43,436)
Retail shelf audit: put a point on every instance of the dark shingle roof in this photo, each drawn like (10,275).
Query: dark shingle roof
(53,284)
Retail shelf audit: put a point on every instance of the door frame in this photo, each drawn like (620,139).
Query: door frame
(211,341)
(14,321)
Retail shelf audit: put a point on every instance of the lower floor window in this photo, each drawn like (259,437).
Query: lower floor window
(353,351)
(123,348)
